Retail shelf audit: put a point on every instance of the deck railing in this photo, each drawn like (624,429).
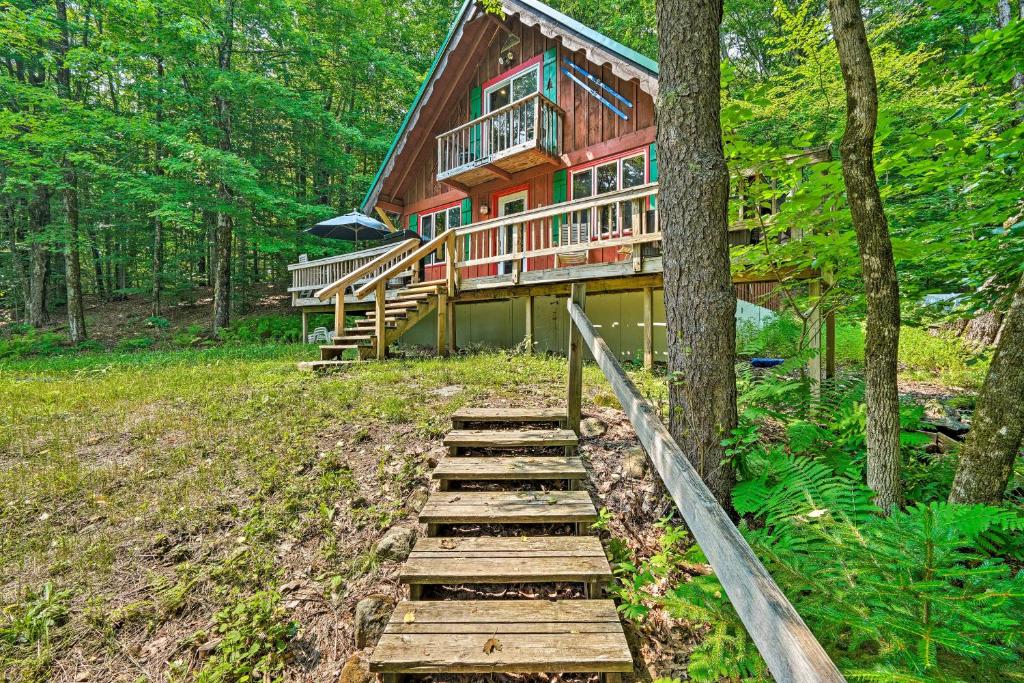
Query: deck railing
(531,122)
(314,275)
(562,234)
(788,647)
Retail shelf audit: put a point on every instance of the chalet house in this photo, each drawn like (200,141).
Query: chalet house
(526,162)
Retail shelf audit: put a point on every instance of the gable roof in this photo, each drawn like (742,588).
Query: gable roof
(600,49)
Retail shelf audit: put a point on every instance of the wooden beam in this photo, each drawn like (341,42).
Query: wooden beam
(451,326)
(498,171)
(339,314)
(529,325)
(787,645)
(815,366)
(577,299)
(442,325)
(305,326)
(380,328)
(455,184)
(394,207)
(648,295)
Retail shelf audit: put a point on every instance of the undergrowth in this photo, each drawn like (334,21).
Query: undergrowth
(934,592)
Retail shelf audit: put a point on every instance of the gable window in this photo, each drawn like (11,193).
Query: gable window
(610,176)
(435,223)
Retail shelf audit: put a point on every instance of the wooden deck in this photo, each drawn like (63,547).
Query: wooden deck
(430,636)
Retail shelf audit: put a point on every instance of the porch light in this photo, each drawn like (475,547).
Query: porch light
(484,209)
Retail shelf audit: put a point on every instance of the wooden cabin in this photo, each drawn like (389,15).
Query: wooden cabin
(528,162)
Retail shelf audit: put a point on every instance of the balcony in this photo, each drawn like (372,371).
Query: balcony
(520,135)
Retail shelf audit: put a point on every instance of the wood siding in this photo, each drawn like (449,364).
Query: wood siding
(590,131)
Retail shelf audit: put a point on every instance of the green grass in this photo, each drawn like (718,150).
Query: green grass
(152,490)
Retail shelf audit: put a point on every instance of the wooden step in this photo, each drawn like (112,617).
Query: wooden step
(523,415)
(354,338)
(389,316)
(415,296)
(323,365)
(493,438)
(334,351)
(502,636)
(490,468)
(516,559)
(508,507)
(394,306)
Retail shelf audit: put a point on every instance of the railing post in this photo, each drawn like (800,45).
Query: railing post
(381,328)
(452,259)
(578,296)
(648,295)
(517,244)
(442,325)
(339,314)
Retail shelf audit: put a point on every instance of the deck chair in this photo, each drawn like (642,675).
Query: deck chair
(320,334)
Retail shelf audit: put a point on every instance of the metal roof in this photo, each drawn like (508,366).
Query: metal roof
(566,22)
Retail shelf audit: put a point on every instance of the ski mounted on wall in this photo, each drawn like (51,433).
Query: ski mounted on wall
(598,82)
(596,95)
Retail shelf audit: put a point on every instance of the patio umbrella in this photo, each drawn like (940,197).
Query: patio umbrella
(352,227)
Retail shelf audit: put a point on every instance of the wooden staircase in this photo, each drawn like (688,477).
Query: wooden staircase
(488,490)
(359,342)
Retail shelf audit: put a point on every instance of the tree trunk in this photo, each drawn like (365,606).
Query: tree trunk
(69,193)
(700,301)
(1005,14)
(877,263)
(225,223)
(997,428)
(38,219)
(158,224)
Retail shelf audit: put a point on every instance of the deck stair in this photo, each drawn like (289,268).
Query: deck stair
(408,307)
(481,484)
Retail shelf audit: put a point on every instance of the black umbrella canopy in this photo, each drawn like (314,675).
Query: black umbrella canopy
(352,227)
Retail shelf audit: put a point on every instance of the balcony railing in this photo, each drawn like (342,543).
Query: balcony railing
(519,135)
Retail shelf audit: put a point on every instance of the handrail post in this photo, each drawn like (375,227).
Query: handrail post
(578,296)
(339,314)
(451,261)
(517,248)
(380,327)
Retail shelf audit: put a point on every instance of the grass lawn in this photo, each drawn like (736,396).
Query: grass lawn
(182,515)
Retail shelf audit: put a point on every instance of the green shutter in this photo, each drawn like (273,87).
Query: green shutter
(654,172)
(475,110)
(551,74)
(559,186)
(414,222)
(467,218)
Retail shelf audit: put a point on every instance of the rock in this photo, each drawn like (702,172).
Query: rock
(396,544)
(448,391)
(417,499)
(435,455)
(372,616)
(356,670)
(634,462)
(592,428)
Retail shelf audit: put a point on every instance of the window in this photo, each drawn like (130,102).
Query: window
(434,224)
(514,126)
(620,174)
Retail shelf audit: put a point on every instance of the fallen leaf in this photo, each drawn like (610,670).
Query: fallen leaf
(410,617)
(491,645)
(449,544)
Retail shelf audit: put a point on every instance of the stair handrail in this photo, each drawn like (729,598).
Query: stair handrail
(788,647)
(342,283)
(414,257)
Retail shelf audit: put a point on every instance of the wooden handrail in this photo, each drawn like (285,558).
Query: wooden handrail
(340,285)
(412,258)
(789,648)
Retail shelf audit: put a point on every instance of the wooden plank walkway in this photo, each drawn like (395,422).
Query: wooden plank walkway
(506,636)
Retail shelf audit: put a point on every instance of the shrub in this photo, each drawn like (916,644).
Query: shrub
(254,638)
(135,343)
(264,328)
(941,356)
(33,343)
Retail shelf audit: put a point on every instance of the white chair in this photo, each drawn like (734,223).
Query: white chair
(320,334)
